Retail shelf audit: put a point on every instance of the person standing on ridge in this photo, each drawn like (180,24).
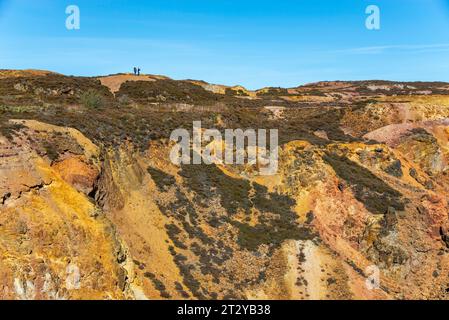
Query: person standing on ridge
(135,70)
(138,71)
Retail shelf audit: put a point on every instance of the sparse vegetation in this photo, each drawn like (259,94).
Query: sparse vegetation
(203,180)
(92,99)
(159,285)
(124,101)
(273,92)
(51,151)
(235,92)
(8,129)
(375,194)
(162,180)
(395,169)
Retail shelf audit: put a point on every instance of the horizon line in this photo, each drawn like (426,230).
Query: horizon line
(226,85)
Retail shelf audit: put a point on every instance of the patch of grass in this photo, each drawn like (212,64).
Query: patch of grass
(181,290)
(272,233)
(158,285)
(163,180)
(49,89)
(266,201)
(277,221)
(124,101)
(190,282)
(167,90)
(173,232)
(235,92)
(208,180)
(8,129)
(395,169)
(92,99)
(272,91)
(50,150)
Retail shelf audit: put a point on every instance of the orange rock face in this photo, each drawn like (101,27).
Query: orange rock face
(77,173)
(53,242)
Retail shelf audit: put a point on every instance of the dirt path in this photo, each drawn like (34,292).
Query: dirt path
(114,82)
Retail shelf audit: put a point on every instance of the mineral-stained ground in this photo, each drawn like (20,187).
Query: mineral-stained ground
(91,207)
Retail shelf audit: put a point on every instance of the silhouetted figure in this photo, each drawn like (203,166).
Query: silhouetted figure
(138,71)
(135,70)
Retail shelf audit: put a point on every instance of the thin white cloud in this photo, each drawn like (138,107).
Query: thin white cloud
(392,48)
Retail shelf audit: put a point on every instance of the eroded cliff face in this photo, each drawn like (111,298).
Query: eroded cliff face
(91,207)
(55,243)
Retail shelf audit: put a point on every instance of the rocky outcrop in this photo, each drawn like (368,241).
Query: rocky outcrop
(54,242)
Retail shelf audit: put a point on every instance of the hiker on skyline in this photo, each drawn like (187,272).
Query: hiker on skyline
(135,70)
(138,71)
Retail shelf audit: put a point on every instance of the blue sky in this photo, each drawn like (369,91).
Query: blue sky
(253,43)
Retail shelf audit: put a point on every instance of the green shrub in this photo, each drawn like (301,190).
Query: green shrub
(92,99)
